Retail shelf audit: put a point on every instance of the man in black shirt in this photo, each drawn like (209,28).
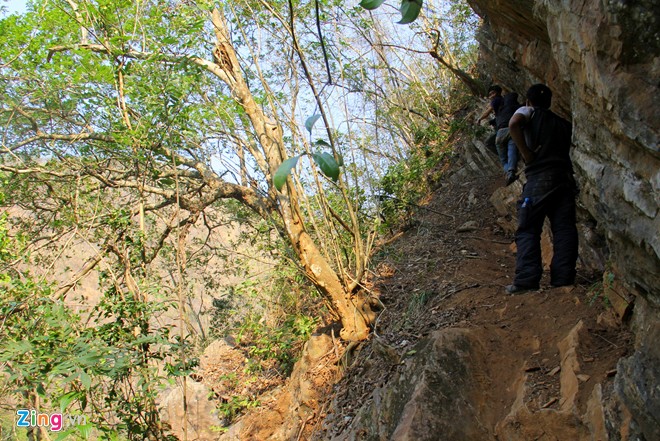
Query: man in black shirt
(544,141)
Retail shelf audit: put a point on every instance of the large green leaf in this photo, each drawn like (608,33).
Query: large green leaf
(66,399)
(85,379)
(283,171)
(61,436)
(410,10)
(371,4)
(40,389)
(327,164)
(322,143)
(309,123)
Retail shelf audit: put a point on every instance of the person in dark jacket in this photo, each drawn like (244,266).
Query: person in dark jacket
(506,147)
(544,140)
(494,96)
(494,100)
(504,108)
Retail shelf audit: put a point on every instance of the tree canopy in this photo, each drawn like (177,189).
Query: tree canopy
(127,124)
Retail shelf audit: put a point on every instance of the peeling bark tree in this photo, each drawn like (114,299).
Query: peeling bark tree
(270,134)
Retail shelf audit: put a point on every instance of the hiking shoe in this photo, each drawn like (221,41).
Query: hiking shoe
(515,289)
(511,177)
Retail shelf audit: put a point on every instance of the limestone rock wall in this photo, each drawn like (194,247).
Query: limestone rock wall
(602,61)
(601,58)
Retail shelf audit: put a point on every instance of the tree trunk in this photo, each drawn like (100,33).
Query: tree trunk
(271,139)
(354,318)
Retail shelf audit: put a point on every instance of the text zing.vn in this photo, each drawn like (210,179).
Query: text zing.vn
(54,421)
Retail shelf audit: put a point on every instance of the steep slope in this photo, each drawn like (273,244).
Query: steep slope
(454,357)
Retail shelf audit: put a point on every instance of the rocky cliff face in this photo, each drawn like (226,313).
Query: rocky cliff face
(602,60)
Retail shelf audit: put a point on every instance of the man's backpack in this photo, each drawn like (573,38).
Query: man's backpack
(507,109)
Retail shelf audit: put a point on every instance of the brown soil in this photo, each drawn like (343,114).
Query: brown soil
(432,276)
(448,268)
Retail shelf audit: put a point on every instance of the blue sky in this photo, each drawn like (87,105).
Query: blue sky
(13,6)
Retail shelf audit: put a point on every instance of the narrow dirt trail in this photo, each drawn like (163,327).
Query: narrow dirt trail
(448,270)
(539,362)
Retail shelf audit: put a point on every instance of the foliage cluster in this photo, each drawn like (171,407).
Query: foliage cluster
(109,370)
(269,320)
(409,180)
(127,125)
(236,406)
(280,316)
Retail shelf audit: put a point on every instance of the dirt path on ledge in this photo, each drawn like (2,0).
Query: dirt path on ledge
(449,269)
(543,356)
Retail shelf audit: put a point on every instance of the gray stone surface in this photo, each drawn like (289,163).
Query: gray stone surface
(602,61)
(587,53)
(637,379)
(423,401)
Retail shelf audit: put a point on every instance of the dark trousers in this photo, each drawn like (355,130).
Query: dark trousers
(558,206)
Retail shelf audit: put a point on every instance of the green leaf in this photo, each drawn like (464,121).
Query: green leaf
(40,389)
(311,121)
(85,429)
(61,436)
(66,399)
(85,379)
(167,182)
(371,4)
(283,171)
(327,164)
(322,143)
(410,10)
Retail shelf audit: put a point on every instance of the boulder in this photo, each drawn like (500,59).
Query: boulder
(424,400)
(198,419)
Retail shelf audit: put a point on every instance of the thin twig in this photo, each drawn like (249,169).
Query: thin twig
(302,428)
(606,340)
(488,240)
(325,54)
